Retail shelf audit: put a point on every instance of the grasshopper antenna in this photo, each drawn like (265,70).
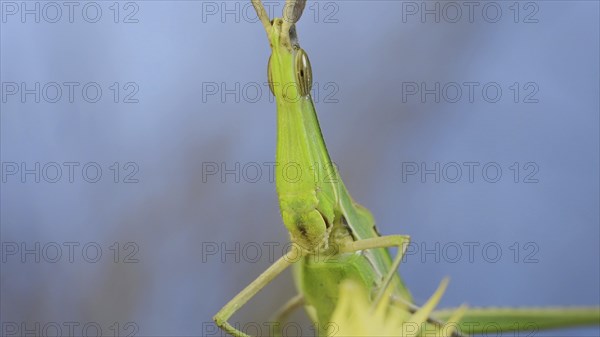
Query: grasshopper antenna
(262,14)
(292,11)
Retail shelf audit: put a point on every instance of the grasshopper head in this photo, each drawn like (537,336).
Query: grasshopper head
(289,71)
(292,11)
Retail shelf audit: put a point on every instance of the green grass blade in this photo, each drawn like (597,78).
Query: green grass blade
(489,320)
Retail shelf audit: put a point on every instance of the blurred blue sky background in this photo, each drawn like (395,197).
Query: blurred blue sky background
(366,57)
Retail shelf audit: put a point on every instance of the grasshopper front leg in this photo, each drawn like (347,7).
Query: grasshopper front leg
(400,241)
(222,317)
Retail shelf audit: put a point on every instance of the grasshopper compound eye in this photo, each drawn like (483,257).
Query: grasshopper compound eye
(303,72)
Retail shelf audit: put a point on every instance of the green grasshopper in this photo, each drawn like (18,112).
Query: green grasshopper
(333,237)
